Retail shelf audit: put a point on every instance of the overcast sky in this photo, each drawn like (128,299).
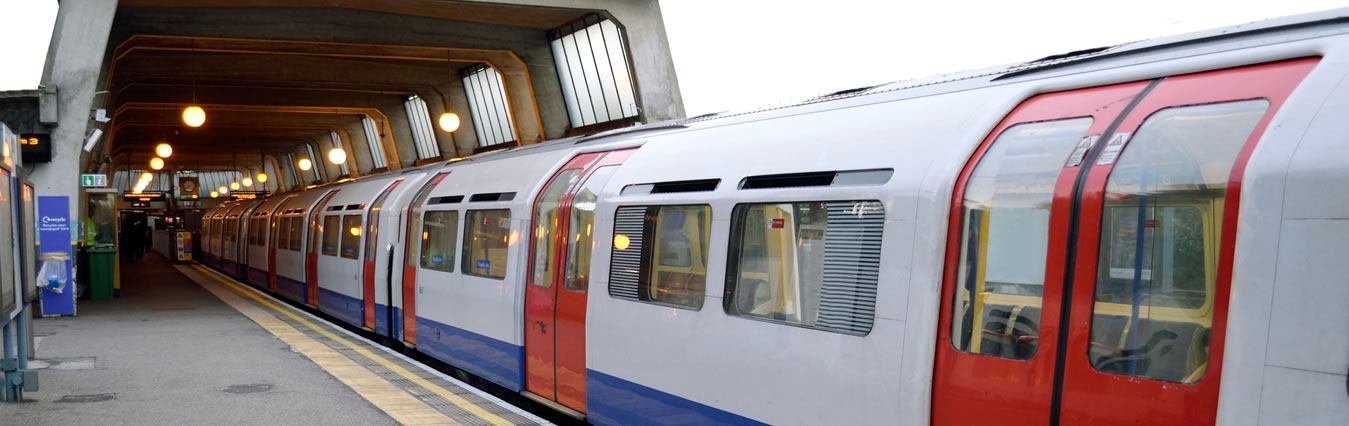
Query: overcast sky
(739,54)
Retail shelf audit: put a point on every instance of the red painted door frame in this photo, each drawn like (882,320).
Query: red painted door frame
(410,272)
(978,389)
(311,254)
(1137,400)
(368,262)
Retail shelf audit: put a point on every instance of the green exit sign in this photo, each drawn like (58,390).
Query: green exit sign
(93,181)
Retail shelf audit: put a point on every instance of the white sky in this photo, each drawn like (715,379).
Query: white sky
(739,54)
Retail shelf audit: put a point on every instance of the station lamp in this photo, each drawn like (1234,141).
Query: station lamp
(223,190)
(194,116)
(157,163)
(214,194)
(337,156)
(164,150)
(449,122)
(234,186)
(248,181)
(262,177)
(304,164)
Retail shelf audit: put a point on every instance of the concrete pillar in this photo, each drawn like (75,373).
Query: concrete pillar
(401,137)
(75,59)
(464,140)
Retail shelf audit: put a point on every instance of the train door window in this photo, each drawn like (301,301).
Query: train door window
(332,234)
(440,232)
(253,231)
(813,264)
(282,233)
(297,233)
(351,236)
(672,268)
(580,242)
(547,219)
(487,235)
(1004,242)
(1160,235)
(262,231)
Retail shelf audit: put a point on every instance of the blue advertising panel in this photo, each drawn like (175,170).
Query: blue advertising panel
(53,232)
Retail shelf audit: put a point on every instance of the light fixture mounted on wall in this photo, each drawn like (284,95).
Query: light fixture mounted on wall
(449,122)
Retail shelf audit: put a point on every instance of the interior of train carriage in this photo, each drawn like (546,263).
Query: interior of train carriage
(1159,241)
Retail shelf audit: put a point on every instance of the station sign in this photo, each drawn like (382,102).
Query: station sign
(145,196)
(93,180)
(36,147)
(246,195)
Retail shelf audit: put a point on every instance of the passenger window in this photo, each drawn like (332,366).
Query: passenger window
(440,232)
(1161,229)
(351,236)
(813,264)
(660,254)
(580,242)
(282,233)
(297,233)
(487,236)
(546,222)
(332,232)
(1004,238)
(262,231)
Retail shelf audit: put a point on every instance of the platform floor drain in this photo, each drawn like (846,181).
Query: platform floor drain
(250,388)
(99,397)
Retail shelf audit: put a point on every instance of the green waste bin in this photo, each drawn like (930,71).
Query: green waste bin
(102,260)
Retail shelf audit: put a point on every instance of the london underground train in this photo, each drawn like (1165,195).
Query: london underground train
(1152,233)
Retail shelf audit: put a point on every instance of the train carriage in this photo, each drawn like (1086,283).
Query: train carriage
(261,227)
(1149,233)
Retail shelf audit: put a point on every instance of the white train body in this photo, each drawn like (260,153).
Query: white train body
(821,263)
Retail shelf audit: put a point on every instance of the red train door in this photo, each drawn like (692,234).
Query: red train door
(1100,298)
(311,261)
(555,294)
(412,244)
(368,257)
(1153,263)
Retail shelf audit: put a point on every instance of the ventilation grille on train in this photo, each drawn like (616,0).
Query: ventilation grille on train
(852,263)
(701,185)
(446,199)
(625,266)
(495,196)
(831,178)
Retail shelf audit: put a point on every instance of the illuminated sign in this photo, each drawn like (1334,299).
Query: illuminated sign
(246,195)
(36,147)
(145,196)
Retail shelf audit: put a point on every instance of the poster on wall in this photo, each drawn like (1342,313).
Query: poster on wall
(54,237)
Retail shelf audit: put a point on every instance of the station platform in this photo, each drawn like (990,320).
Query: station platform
(186,345)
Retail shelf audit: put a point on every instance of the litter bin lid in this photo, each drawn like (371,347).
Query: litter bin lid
(102,248)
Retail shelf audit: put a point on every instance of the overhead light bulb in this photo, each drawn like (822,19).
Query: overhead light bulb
(214,194)
(337,156)
(146,177)
(194,116)
(305,164)
(164,150)
(248,181)
(234,186)
(262,177)
(223,190)
(157,163)
(449,122)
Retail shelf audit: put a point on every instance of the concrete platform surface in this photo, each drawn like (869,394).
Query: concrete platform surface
(169,352)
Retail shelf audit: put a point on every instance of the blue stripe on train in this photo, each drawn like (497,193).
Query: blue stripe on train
(611,400)
(291,289)
(341,306)
(382,320)
(257,277)
(492,359)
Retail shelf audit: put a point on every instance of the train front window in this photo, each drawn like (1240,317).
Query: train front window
(1004,240)
(813,264)
(1161,229)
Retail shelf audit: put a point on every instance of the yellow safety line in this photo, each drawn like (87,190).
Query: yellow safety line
(442,392)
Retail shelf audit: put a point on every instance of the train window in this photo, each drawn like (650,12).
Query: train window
(262,231)
(1161,230)
(297,233)
(1004,240)
(546,222)
(813,264)
(487,236)
(231,229)
(672,268)
(332,234)
(440,232)
(580,242)
(351,236)
(282,233)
